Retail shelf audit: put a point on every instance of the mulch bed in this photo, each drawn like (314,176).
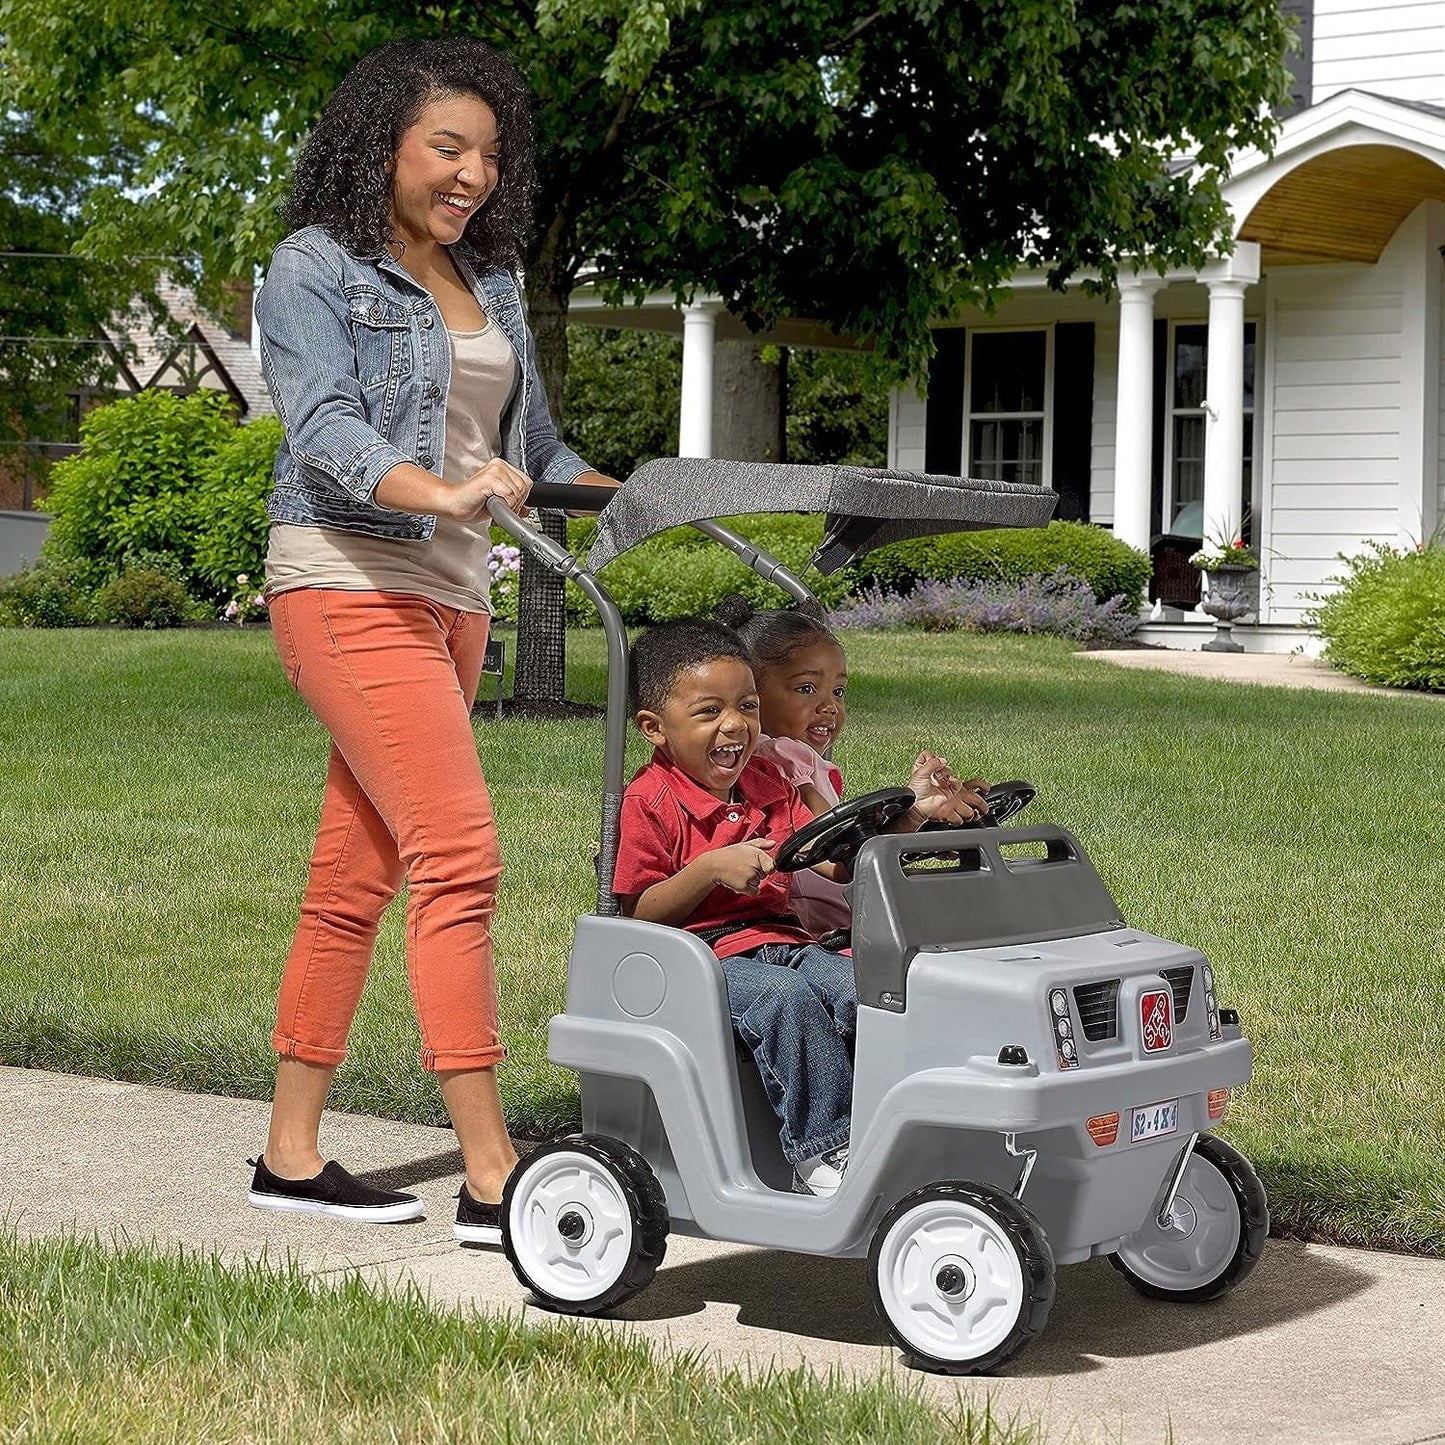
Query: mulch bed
(536,709)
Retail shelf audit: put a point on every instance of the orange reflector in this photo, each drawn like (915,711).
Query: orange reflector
(1218,1103)
(1104,1128)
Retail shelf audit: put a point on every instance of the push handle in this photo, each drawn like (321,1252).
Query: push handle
(570,496)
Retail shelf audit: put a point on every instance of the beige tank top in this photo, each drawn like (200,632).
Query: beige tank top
(451,567)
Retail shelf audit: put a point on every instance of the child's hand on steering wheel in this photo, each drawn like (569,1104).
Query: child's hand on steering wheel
(742,867)
(940,797)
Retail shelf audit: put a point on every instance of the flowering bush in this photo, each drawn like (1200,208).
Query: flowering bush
(1062,604)
(1214,555)
(245,604)
(504,566)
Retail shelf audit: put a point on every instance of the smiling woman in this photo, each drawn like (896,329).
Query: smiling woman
(393,341)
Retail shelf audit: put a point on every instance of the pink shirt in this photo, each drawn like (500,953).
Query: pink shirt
(821,904)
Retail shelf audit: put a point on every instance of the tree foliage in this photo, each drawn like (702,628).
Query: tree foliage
(53,304)
(874,170)
(622,391)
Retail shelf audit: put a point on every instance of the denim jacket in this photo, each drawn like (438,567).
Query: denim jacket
(356,357)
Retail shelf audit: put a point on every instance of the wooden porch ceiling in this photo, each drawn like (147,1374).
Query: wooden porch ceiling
(1343,206)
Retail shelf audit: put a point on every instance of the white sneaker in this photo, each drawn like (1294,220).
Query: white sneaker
(822,1174)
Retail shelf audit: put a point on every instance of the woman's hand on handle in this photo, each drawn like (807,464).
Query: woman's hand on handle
(496,479)
(410,488)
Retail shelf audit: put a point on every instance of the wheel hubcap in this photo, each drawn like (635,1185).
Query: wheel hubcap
(574,1226)
(954,1280)
(570,1226)
(950,1280)
(1197,1243)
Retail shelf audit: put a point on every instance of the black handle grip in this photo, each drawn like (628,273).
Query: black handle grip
(570,496)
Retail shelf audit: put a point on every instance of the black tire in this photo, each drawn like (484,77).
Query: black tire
(634,1185)
(1013,1225)
(1249,1199)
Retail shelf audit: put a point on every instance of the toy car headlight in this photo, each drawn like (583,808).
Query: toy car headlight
(1065,1049)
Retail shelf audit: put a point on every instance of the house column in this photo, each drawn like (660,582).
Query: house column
(1224,412)
(699,328)
(1134,424)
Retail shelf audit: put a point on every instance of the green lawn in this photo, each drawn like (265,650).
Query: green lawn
(103,1345)
(160,790)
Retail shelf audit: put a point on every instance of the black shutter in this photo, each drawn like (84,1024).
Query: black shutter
(1073,417)
(1300,62)
(943,419)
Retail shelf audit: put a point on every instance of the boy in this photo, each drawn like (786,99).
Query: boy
(699,826)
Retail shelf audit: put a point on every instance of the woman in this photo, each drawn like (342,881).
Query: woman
(394,344)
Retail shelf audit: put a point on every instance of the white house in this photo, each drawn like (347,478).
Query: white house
(1297,382)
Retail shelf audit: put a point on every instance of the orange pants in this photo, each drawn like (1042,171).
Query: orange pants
(392,678)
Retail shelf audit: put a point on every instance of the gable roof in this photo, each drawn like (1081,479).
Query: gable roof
(208,355)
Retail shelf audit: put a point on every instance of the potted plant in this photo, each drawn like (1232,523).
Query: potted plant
(1231,567)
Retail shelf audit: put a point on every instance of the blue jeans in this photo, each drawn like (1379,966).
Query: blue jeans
(794,1005)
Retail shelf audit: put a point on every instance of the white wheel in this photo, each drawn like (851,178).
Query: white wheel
(962,1275)
(584,1224)
(1214,1236)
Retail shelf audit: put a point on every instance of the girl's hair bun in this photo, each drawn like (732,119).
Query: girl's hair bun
(734,610)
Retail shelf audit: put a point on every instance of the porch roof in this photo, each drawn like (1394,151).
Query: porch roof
(1344,176)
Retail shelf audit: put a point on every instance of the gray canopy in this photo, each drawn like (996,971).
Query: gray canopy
(865,508)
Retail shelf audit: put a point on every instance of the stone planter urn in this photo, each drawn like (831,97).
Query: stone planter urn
(1231,595)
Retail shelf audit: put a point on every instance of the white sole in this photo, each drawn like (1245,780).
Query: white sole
(478,1233)
(375,1214)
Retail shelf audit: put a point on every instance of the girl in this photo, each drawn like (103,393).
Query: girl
(802,679)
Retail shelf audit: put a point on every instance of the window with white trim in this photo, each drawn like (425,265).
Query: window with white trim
(1184,435)
(1006,425)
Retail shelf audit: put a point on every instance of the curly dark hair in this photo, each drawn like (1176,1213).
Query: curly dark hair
(772,636)
(341,180)
(662,654)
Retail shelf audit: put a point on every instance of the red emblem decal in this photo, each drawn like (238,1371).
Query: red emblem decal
(1156,1020)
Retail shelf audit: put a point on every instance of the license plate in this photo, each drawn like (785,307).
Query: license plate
(1153,1119)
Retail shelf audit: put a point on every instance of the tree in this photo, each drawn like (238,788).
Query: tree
(872,170)
(54,305)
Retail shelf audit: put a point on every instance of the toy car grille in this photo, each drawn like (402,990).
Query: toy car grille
(1098,1005)
(1180,981)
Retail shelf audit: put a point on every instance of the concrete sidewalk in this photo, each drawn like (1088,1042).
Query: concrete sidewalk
(1318,1345)
(1269,669)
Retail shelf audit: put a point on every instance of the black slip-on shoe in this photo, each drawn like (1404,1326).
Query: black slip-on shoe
(332,1192)
(477,1223)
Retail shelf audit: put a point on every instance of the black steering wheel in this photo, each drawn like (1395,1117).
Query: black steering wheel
(1004,801)
(837,835)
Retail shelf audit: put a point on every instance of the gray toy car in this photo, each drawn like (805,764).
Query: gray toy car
(1035,1081)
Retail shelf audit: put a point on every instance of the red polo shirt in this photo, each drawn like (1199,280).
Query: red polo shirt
(668,819)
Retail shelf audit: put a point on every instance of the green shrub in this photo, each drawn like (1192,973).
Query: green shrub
(231,520)
(170,478)
(53,593)
(1386,624)
(142,597)
(132,487)
(1111,568)
(681,573)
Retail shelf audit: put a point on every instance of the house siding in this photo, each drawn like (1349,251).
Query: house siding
(910,427)
(1391,49)
(1334,390)
(1104,431)
(1436,525)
